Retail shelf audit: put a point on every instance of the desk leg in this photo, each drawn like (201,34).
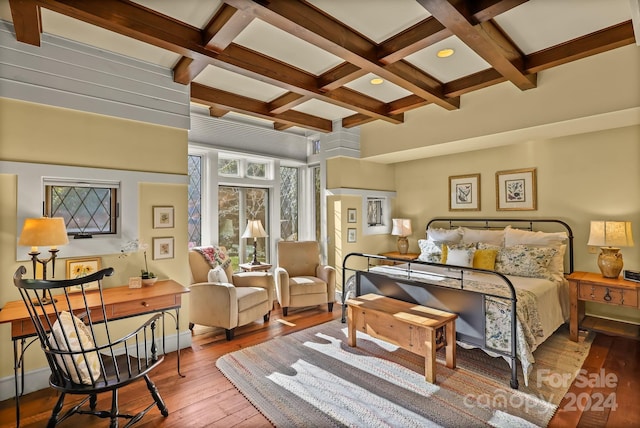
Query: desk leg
(430,355)
(178,339)
(17,363)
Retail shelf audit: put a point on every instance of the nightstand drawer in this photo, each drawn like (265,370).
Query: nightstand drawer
(609,295)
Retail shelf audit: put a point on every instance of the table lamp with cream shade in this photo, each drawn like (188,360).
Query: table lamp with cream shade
(254,230)
(610,236)
(43,232)
(402,229)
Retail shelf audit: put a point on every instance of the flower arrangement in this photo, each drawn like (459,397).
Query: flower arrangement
(134,246)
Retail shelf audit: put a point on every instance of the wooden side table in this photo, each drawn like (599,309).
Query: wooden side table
(248,267)
(593,287)
(397,255)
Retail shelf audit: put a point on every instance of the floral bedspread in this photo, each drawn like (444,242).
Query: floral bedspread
(497,315)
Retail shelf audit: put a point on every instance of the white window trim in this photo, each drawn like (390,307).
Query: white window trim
(31,197)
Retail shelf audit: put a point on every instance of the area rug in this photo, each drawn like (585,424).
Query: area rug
(312,378)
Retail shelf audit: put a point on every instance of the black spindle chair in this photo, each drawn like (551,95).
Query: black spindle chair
(84,356)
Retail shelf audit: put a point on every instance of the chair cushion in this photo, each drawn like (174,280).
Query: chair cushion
(299,258)
(88,363)
(306,285)
(248,297)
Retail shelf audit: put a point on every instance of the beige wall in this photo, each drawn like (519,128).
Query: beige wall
(581,178)
(42,134)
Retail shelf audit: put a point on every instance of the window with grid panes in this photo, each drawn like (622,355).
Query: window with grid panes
(194,202)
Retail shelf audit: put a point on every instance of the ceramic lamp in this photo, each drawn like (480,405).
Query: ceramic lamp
(610,236)
(402,229)
(254,230)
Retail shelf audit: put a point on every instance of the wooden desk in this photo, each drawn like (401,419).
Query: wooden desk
(593,287)
(120,302)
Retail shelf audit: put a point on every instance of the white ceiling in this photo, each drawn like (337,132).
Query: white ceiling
(532,26)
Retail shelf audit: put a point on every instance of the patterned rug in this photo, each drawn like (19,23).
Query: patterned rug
(312,378)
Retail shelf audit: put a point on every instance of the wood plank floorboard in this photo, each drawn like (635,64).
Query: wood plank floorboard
(205,398)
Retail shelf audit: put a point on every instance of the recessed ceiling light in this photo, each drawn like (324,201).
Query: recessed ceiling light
(376,81)
(444,53)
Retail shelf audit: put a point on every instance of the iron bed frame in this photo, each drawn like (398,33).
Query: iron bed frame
(405,284)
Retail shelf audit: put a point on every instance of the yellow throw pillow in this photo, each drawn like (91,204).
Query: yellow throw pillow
(445,251)
(485,259)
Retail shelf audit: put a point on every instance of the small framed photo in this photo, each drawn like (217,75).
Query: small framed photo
(77,268)
(135,282)
(464,192)
(351,235)
(163,248)
(516,190)
(352,215)
(163,218)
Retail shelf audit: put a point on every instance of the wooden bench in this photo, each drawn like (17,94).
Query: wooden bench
(407,325)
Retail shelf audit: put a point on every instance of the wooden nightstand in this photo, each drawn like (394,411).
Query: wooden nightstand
(248,267)
(593,287)
(397,255)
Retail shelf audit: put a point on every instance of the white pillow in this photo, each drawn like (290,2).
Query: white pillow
(88,364)
(217,274)
(429,251)
(495,237)
(524,237)
(444,235)
(460,256)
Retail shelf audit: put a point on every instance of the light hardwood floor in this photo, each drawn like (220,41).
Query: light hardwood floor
(206,398)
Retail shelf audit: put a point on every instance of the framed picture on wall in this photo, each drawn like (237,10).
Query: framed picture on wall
(464,192)
(351,235)
(352,215)
(163,248)
(77,268)
(516,190)
(163,218)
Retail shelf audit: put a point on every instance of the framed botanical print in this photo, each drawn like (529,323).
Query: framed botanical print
(77,268)
(163,218)
(352,215)
(163,248)
(516,190)
(464,192)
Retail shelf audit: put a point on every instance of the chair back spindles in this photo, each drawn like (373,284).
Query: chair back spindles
(85,357)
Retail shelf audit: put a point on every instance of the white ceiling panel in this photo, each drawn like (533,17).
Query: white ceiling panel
(385,92)
(322,109)
(194,12)
(271,41)
(376,19)
(463,62)
(220,78)
(539,24)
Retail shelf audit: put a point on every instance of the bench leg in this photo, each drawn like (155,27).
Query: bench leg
(430,356)
(450,349)
(351,326)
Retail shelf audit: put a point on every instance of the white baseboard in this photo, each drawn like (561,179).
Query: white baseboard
(37,379)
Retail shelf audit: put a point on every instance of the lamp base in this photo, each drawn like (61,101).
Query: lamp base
(610,262)
(403,244)
(45,301)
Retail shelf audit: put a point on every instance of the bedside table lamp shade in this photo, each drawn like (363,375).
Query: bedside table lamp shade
(254,230)
(402,229)
(610,236)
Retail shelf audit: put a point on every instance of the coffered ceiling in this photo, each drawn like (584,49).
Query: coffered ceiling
(306,64)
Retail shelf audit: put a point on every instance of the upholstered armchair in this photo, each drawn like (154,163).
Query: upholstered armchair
(301,280)
(234,300)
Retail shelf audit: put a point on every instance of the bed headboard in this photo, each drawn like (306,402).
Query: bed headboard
(532,224)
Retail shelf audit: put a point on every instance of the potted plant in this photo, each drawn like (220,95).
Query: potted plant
(148,277)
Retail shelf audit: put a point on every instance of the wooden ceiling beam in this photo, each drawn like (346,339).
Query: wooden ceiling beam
(225,25)
(227,101)
(412,40)
(484,38)
(316,28)
(217,112)
(287,102)
(604,40)
(356,120)
(339,76)
(27,22)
